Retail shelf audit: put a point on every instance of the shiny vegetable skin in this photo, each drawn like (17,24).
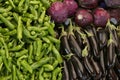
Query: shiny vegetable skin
(64,42)
(73,43)
(88,66)
(111,56)
(79,68)
(93,41)
(71,70)
(65,71)
(96,68)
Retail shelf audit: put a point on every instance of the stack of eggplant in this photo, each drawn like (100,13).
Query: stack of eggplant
(90,53)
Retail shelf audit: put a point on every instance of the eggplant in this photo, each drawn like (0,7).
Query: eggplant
(93,42)
(102,63)
(74,46)
(113,32)
(73,43)
(112,75)
(71,70)
(96,68)
(117,67)
(64,42)
(65,71)
(111,56)
(79,68)
(79,39)
(88,66)
(102,36)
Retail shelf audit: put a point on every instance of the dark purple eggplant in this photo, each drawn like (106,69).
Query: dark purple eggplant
(96,68)
(79,68)
(111,55)
(73,43)
(65,71)
(88,66)
(102,36)
(117,67)
(112,75)
(64,42)
(71,70)
(79,38)
(112,30)
(93,42)
(102,63)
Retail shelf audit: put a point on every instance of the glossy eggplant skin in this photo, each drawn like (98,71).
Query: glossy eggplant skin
(102,63)
(74,46)
(96,68)
(65,71)
(79,39)
(93,42)
(79,69)
(112,75)
(88,66)
(102,37)
(117,67)
(71,70)
(111,56)
(65,44)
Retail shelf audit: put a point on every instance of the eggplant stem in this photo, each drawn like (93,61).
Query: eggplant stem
(63,32)
(85,51)
(89,34)
(110,40)
(70,29)
(68,56)
(112,27)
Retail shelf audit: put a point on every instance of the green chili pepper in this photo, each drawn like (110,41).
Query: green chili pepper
(55,72)
(19,29)
(27,33)
(30,53)
(46,40)
(50,28)
(7,23)
(48,67)
(4,30)
(60,76)
(11,33)
(37,29)
(34,12)
(41,18)
(17,48)
(19,75)
(16,16)
(41,62)
(5,59)
(57,54)
(34,2)
(3,10)
(14,72)
(21,53)
(55,64)
(33,76)
(47,75)
(39,48)
(26,66)
(12,4)
(41,70)
(5,46)
(53,39)
(26,6)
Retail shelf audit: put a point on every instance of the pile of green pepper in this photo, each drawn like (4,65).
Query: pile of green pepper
(28,47)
